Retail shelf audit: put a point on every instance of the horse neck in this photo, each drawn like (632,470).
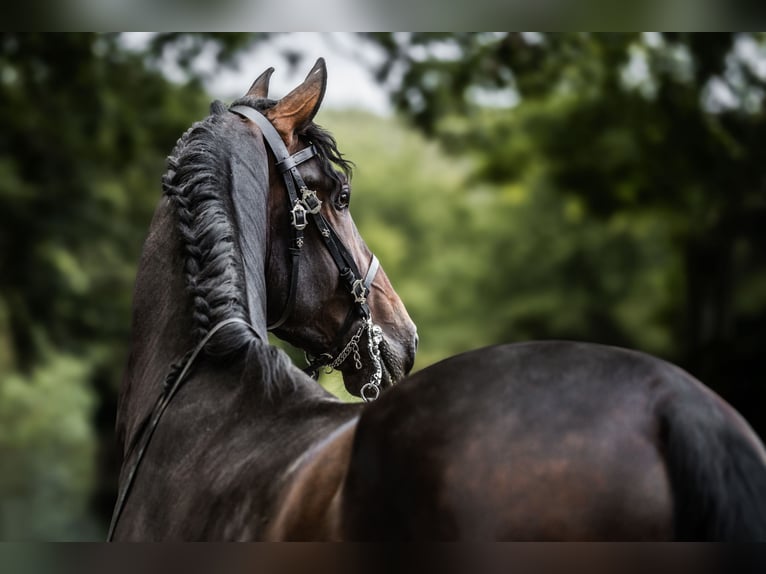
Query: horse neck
(162,325)
(184,286)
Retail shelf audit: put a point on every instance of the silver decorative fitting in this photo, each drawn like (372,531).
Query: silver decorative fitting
(298,217)
(370,392)
(310,200)
(359,291)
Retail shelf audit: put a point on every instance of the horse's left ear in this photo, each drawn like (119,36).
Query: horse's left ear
(296,110)
(260,87)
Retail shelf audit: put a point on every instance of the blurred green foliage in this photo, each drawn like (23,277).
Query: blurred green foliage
(85,128)
(596,187)
(48,447)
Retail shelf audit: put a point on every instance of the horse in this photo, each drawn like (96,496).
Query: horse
(547,440)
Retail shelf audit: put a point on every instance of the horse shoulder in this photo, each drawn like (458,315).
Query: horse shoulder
(309,505)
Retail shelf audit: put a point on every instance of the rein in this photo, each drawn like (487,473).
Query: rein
(307,207)
(169,391)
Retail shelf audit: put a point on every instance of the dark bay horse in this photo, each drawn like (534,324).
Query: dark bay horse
(535,441)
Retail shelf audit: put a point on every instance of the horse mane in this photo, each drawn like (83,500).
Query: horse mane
(195,181)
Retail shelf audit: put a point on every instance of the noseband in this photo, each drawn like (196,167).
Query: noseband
(306,206)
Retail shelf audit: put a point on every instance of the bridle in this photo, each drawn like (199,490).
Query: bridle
(305,206)
(308,204)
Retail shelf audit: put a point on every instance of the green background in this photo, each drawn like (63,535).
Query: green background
(599,187)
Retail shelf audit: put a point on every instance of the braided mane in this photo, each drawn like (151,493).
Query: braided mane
(195,180)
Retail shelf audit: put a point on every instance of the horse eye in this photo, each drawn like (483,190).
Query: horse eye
(344,196)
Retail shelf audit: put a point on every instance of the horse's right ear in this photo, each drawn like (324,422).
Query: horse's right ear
(296,110)
(260,87)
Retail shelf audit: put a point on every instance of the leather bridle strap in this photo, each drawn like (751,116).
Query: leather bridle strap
(301,207)
(349,272)
(329,358)
(285,163)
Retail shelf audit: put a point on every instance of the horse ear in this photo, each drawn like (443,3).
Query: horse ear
(260,87)
(296,110)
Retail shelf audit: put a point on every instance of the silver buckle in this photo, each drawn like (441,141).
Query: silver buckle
(310,200)
(298,217)
(359,291)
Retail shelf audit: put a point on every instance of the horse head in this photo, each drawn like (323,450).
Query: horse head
(326,292)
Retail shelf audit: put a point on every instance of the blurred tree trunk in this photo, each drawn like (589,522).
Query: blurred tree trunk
(709,275)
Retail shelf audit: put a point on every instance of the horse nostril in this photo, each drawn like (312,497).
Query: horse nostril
(416,342)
